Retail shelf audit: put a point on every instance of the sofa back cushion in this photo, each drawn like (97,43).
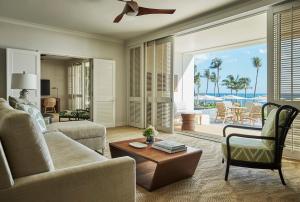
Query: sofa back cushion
(6,179)
(23,143)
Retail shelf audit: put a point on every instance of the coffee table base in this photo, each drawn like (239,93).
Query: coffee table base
(151,175)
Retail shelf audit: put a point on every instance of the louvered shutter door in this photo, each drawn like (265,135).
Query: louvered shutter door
(150,93)
(104,92)
(284,61)
(159,84)
(135,113)
(164,84)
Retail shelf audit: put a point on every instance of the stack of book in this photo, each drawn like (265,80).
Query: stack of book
(169,146)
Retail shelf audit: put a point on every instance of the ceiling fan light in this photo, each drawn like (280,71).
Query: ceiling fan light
(132,13)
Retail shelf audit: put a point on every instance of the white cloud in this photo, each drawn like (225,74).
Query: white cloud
(262,51)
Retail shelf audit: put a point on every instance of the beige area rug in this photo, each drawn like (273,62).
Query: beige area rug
(208,185)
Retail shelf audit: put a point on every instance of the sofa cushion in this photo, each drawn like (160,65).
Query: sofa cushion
(246,149)
(66,152)
(6,179)
(79,129)
(35,114)
(24,145)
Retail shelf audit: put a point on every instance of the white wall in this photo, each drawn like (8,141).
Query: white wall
(184,69)
(58,43)
(57,72)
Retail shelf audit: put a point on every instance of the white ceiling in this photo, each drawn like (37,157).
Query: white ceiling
(248,30)
(96,16)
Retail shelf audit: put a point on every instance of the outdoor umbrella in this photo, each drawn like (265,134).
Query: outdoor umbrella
(233,97)
(209,97)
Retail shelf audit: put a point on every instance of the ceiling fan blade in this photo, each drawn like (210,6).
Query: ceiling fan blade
(119,18)
(147,11)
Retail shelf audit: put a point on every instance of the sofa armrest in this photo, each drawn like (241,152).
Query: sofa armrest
(111,180)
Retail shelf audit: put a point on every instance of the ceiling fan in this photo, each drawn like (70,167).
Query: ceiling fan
(133,9)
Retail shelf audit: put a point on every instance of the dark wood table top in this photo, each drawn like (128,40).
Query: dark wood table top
(150,153)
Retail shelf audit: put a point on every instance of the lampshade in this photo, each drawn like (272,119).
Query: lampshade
(24,81)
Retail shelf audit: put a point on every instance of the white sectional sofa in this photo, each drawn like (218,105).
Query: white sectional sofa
(37,167)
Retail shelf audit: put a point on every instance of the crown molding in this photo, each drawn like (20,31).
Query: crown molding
(59,30)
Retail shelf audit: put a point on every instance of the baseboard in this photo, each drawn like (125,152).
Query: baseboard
(118,124)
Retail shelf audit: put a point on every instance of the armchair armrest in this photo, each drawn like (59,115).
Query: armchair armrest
(240,127)
(111,180)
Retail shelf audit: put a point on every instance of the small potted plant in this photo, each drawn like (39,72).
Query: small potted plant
(149,133)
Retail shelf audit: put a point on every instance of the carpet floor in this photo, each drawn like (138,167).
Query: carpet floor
(208,185)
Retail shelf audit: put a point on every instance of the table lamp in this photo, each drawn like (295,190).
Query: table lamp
(25,82)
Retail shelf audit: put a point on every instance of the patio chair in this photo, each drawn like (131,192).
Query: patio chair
(265,151)
(223,112)
(236,104)
(252,113)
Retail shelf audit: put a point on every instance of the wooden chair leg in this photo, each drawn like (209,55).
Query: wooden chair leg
(281,176)
(227,170)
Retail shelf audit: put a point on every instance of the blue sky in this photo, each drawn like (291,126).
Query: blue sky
(236,61)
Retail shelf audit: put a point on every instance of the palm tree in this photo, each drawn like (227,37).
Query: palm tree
(236,84)
(257,64)
(213,78)
(216,64)
(207,76)
(245,84)
(197,83)
(229,82)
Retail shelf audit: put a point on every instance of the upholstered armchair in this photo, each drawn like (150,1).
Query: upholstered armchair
(265,151)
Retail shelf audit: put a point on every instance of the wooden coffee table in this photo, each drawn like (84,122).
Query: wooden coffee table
(155,168)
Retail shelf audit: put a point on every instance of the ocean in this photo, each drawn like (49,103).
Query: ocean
(249,97)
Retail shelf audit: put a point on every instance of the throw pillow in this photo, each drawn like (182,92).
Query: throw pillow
(269,127)
(14,102)
(35,114)
(25,147)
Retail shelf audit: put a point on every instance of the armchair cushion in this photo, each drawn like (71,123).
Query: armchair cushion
(268,129)
(246,149)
